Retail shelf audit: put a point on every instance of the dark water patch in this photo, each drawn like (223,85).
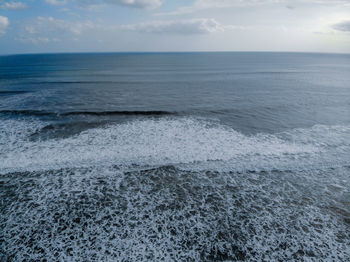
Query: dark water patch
(64,130)
(28,112)
(9,92)
(91,113)
(82,82)
(104,113)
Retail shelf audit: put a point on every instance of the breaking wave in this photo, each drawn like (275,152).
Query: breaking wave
(173,141)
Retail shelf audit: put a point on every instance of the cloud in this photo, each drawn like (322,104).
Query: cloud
(140,4)
(49,29)
(200,5)
(38,40)
(205,4)
(333,2)
(342,26)
(228,3)
(44,30)
(50,24)
(4,23)
(56,2)
(13,5)
(189,26)
(144,4)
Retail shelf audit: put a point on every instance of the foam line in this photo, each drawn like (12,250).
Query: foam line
(173,141)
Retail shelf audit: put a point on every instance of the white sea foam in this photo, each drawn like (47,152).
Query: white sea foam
(164,214)
(86,200)
(172,141)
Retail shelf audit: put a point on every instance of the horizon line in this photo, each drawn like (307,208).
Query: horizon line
(171,52)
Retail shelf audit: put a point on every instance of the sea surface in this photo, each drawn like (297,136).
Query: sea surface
(175,157)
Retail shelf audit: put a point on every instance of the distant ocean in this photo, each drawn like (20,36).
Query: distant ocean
(175,157)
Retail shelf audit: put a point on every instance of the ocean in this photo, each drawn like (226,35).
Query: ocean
(175,157)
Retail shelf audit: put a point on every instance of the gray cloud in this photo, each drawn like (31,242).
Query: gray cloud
(188,26)
(13,5)
(342,26)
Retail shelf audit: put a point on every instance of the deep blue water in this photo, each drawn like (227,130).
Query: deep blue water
(175,156)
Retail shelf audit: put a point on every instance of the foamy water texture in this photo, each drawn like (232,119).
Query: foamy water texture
(171,141)
(173,189)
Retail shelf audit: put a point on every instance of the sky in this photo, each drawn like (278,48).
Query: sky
(48,26)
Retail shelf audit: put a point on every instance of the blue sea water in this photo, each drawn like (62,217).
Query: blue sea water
(175,157)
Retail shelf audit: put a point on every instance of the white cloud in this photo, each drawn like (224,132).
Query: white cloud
(228,3)
(56,2)
(205,4)
(4,23)
(144,4)
(199,5)
(342,26)
(13,5)
(141,4)
(49,29)
(337,2)
(189,26)
(38,40)
(50,24)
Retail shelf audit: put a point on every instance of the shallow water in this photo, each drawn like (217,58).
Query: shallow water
(183,157)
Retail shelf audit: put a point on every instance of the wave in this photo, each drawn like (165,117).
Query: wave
(97,192)
(192,143)
(93,113)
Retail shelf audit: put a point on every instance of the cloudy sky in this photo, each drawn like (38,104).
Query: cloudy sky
(35,26)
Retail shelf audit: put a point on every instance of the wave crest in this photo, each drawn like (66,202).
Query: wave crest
(174,141)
